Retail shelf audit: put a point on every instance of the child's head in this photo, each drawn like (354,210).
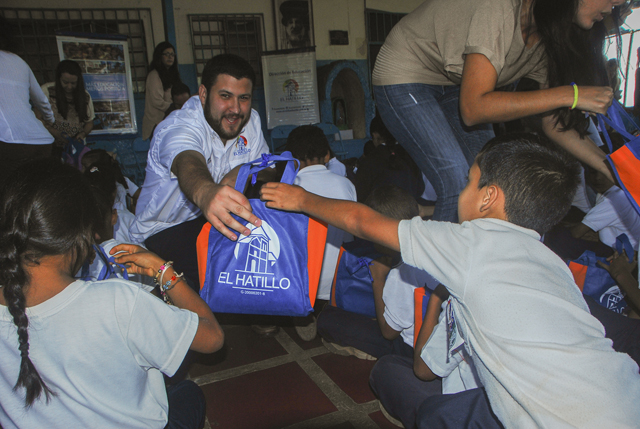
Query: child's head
(46,210)
(379,132)
(393,202)
(180,93)
(308,144)
(101,177)
(538,181)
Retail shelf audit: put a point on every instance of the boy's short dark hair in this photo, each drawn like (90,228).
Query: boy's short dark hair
(393,202)
(230,64)
(539,181)
(180,88)
(307,142)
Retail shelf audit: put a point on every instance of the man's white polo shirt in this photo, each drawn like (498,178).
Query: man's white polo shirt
(162,204)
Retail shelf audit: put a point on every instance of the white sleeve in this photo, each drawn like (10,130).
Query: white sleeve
(175,141)
(600,216)
(158,335)
(398,302)
(39,99)
(439,248)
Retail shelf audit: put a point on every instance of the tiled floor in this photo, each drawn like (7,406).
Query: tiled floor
(283,382)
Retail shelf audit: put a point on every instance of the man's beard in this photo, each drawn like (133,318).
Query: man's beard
(216,123)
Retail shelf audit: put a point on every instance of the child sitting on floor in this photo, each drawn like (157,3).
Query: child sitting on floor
(542,358)
(391,332)
(127,192)
(309,145)
(88,354)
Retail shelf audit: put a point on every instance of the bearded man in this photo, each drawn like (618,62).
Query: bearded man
(193,162)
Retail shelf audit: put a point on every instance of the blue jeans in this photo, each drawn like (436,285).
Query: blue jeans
(187,406)
(425,119)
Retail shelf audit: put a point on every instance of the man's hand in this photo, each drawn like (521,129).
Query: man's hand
(218,201)
(282,196)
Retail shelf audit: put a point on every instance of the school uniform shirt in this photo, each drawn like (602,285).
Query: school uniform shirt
(318,180)
(336,167)
(162,204)
(399,301)
(456,370)
(18,86)
(542,357)
(103,347)
(613,215)
(122,192)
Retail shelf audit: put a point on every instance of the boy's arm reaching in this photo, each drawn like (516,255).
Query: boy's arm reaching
(420,368)
(354,218)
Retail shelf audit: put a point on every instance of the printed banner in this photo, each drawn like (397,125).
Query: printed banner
(291,89)
(107,77)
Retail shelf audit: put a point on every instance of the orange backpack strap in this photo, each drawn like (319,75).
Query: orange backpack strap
(202,250)
(418,298)
(627,167)
(335,277)
(579,272)
(316,241)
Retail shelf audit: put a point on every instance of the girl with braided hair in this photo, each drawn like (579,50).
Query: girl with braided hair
(88,354)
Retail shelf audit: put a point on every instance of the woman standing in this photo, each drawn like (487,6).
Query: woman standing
(436,76)
(163,74)
(71,104)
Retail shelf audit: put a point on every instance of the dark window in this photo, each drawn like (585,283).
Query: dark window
(227,34)
(379,24)
(34,32)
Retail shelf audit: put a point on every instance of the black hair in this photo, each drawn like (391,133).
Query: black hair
(538,180)
(101,178)
(393,202)
(106,161)
(169,76)
(377,126)
(229,64)
(80,98)
(46,210)
(573,54)
(307,142)
(180,88)
(295,9)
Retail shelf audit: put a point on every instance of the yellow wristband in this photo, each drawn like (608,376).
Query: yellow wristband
(575,95)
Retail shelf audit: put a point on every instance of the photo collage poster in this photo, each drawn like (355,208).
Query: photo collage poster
(107,77)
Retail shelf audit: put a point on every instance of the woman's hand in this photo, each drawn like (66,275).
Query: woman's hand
(594,99)
(137,259)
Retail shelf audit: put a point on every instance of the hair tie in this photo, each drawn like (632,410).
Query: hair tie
(24,348)
(93,169)
(575,95)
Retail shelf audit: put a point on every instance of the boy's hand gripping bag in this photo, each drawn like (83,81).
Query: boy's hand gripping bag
(273,271)
(596,282)
(352,287)
(625,162)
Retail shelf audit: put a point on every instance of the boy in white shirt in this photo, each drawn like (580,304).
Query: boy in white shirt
(543,359)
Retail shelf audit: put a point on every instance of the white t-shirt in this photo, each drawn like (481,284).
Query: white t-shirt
(102,347)
(459,373)
(336,167)
(123,226)
(18,85)
(398,298)
(318,180)
(542,358)
(162,204)
(613,215)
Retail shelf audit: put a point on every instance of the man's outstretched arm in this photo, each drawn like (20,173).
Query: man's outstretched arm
(215,200)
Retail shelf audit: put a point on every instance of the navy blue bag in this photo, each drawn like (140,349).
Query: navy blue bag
(596,282)
(352,288)
(273,271)
(107,271)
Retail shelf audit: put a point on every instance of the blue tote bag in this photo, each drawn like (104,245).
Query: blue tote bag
(273,271)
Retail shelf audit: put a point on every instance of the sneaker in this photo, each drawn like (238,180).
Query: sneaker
(347,351)
(392,420)
(306,327)
(265,331)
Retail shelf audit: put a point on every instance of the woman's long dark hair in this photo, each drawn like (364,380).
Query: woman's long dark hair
(573,54)
(47,209)
(79,94)
(169,76)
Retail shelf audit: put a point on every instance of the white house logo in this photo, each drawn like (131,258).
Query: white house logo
(256,255)
(611,299)
(290,87)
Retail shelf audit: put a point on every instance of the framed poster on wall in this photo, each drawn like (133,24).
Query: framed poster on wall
(294,24)
(290,88)
(106,71)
